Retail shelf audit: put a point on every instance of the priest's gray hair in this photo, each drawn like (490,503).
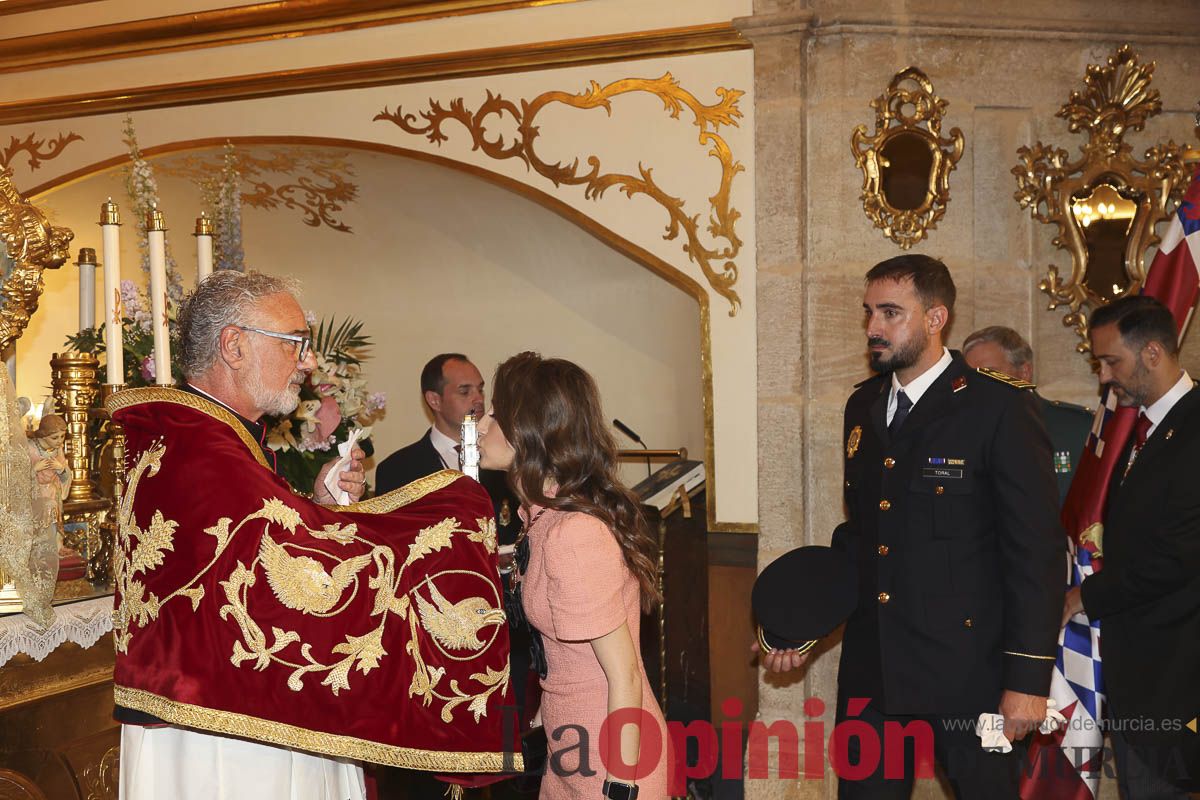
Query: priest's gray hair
(227,297)
(1017,351)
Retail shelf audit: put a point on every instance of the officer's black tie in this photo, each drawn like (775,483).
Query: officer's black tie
(903,404)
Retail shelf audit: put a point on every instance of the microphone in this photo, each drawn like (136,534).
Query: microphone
(628,431)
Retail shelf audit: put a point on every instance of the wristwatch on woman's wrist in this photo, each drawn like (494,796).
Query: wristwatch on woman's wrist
(615,790)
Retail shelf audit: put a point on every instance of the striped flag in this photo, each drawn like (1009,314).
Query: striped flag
(1065,765)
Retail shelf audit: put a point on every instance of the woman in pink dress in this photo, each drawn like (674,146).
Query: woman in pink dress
(586,574)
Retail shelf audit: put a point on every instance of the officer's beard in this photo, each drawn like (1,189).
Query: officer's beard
(906,355)
(1136,392)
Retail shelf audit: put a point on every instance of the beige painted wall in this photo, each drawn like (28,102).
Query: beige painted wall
(438,261)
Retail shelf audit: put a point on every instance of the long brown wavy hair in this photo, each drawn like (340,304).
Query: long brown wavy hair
(549,409)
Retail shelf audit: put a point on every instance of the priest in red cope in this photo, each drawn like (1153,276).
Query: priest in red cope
(268,643)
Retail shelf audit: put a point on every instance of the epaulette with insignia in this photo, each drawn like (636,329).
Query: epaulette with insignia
(1003,377)
(878,377)
(1070,406)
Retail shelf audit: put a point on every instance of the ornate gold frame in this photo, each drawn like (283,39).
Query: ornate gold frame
(906,227)
(34,245)
(1117,99)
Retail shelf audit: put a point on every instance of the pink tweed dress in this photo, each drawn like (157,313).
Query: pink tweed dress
(578,588)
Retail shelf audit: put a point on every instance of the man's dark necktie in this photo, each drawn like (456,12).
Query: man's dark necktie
(1140,432)
(903,405)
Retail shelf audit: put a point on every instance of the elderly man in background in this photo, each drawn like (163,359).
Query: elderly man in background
(250,622)
(1002,349)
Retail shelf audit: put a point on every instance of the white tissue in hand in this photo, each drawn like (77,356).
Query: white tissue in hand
(340,495)
(990,728)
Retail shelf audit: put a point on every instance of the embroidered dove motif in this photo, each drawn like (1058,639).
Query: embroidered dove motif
(301,583)
(456,625)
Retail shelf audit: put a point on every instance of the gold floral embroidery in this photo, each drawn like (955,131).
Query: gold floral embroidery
(321,584)
(486,533)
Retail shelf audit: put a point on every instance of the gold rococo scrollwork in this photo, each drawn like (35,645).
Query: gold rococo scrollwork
(906,223)
(716,262)
(1117,98)
(38,150)
(33,244)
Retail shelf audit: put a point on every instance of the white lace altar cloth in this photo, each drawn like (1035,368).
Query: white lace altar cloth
(82,623)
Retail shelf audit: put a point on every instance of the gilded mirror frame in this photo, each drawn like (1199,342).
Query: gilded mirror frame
(909,89)
(1117,99)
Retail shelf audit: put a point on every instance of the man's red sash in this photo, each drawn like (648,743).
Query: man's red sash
(374,631)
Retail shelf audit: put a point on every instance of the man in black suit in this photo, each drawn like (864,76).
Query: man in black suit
(953,524)
(452,388)
(1147,595)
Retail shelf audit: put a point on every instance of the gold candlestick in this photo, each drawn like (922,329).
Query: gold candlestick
(75,382)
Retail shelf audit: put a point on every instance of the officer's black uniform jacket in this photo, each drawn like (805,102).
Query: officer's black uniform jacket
(954,527)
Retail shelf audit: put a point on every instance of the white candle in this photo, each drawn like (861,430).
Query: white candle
(204,247)
(156,232)
(110,232)
(87,288)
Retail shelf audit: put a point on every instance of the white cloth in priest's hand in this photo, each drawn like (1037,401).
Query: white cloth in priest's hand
(990,728)
(340,495)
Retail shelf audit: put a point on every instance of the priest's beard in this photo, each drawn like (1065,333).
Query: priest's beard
(905,355)
(274,402)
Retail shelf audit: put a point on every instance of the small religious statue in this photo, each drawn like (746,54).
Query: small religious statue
(53,477)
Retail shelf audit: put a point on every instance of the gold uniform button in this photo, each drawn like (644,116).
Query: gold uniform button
(889,462)
(884,597)
(882,550)
(967,623)
(884,505)
(940,490)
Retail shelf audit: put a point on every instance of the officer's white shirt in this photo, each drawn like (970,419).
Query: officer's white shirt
(1157,411)
(917,386)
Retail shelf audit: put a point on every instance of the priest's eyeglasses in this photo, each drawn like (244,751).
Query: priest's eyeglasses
(305,342)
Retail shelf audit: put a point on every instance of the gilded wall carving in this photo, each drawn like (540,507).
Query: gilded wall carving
(715,261)
(37,150)
(1105,204)
(316,183)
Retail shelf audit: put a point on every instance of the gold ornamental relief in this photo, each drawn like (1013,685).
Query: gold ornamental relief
(906,163)
(317,184)
(1105,204)
(37,150)
(717,261)
(31,244)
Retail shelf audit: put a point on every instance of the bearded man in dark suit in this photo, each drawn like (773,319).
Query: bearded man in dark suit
(1147,596)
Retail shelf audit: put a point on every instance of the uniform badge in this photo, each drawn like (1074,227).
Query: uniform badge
(853,440)
(1062,462)
(959,384)
(505,513)
(1170,433)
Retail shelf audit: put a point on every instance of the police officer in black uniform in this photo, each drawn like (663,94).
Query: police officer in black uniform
(1004,350)
(953,525)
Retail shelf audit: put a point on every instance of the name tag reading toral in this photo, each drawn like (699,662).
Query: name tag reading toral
(942,472)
